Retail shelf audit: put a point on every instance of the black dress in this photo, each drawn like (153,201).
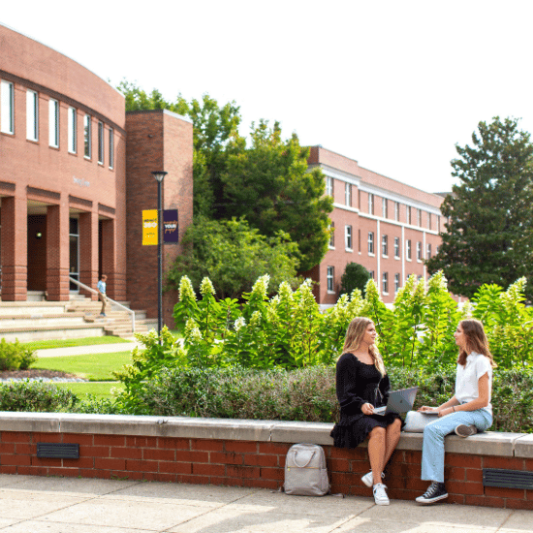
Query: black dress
(358,383)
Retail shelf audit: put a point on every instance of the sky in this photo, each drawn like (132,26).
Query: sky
(394,85)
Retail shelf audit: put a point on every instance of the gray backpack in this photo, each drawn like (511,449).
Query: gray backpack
(305,470)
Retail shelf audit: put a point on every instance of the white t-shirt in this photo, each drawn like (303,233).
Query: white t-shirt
(466,384)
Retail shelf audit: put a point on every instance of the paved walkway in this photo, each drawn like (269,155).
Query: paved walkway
(31,504)
(84,350)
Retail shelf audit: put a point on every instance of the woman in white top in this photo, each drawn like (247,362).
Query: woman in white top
(467,412)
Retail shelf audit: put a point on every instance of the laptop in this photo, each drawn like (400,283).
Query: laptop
(400,401)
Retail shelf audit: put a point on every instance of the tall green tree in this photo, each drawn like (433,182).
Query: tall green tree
(269,184)
(489,237)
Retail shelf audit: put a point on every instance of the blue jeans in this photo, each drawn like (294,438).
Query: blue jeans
(434,433)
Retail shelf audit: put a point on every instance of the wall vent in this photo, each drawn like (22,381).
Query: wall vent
(58,451)
(511,479)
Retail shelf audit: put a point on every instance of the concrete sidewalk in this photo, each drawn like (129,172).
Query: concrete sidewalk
(85,350)
(30,504)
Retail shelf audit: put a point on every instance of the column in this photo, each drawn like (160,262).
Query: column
(88,226)
(14,259)
(57,253)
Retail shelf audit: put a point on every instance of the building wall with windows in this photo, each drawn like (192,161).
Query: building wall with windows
(380,223)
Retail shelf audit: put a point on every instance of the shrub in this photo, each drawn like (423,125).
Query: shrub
(15,356)
(355,276)
(35,397)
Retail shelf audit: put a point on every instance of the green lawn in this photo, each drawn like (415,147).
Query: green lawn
(94,367)
(68,343)
(101,390)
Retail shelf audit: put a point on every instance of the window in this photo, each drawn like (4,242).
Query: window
(371,242)
(348,194)
(330,277)
(429,220)
(371,272)
(385,283)
(72,130)
(408,249)
(385,208)
(428,251)
(111,148)
(329,186)
(100,143)
(397,247)
(409,214)
(32,116)
(87,136)
(370,203)
(397,211)
(419,251)
(332,235)
(359,240)
(53,123)
(7,111)
(385,245)
(396,283)
(420,217)
(348,237)
(438,223)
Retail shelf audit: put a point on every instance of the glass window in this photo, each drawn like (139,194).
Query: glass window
(409,215)
(32,116)
(420,217)
(111,148)
(385,282)
(330,277)
(72,130)
(100,142)
(87,136)
(429,220)
(428,251)
(348,194)
(397,211)
(329,186)
(396,283)
(370,242)
(370,203)
(332,235)
(438,223)
(53,123)
(419,251)
(348,237)
(396,246)
(385,245)
(408,249)
(372,274)
(7,109)
(385,208)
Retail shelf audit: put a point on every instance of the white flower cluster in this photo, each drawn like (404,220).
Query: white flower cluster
(240,323)
(260,287)
(192,332)
(206,287)
(186,290)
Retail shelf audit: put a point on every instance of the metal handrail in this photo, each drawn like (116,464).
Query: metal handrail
(113,302)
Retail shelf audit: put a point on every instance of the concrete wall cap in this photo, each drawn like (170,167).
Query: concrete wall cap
(523,446)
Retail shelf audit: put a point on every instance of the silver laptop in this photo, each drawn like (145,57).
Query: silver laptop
(400,401)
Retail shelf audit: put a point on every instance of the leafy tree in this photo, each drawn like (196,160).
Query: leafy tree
(233,256)
(355,277)
(490,213)
(270,185)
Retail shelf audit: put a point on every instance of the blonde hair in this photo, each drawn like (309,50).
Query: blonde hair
(476,341)
(354,336)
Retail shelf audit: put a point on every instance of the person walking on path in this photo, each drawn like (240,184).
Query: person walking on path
(101,286)
(466,413)
(362,384)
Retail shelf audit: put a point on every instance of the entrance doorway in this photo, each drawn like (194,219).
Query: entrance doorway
(74,261)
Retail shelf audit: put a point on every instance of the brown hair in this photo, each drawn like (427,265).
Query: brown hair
(476,341)
(354,335)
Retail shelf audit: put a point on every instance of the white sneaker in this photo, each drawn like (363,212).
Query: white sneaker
(380,494)
(368,480)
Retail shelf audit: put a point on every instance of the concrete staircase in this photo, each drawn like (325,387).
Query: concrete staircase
(77,318)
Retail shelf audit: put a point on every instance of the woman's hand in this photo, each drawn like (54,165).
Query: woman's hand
(367,409)
(425,408)
(446,411)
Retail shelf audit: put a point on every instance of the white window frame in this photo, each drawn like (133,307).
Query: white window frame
(348,194)
(111,148)
(420,218)
(87,136)
(385,283)
(385,246)
(419,251)
(408,251)
(371,243)
(397,247)
(409,214)
(7,111)
(32,115)
(329,186)
(370,203)
(385,208)
(330,279)
(72,130)
(101,146)
(53,123)
(429,220)
(397,211)
(396,283)
(428,251)
(332,236)
(348,238)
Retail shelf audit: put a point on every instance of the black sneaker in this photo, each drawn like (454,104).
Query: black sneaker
(436,491)
(464,430)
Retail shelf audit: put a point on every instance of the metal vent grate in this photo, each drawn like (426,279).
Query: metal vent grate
(58,451)
(511,479)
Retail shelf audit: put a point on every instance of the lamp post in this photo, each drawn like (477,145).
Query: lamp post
(159,177)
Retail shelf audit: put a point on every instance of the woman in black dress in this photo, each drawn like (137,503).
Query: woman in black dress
(362,384)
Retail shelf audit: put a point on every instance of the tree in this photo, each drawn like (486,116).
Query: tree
(233,256)
(355,276)
(270,185)
(490,212)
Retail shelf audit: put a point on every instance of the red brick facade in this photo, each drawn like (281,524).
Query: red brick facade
(371,226)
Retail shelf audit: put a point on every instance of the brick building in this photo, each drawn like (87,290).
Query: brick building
(388,227)
(75,175)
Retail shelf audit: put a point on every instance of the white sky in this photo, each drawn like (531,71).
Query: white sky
(392,84)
